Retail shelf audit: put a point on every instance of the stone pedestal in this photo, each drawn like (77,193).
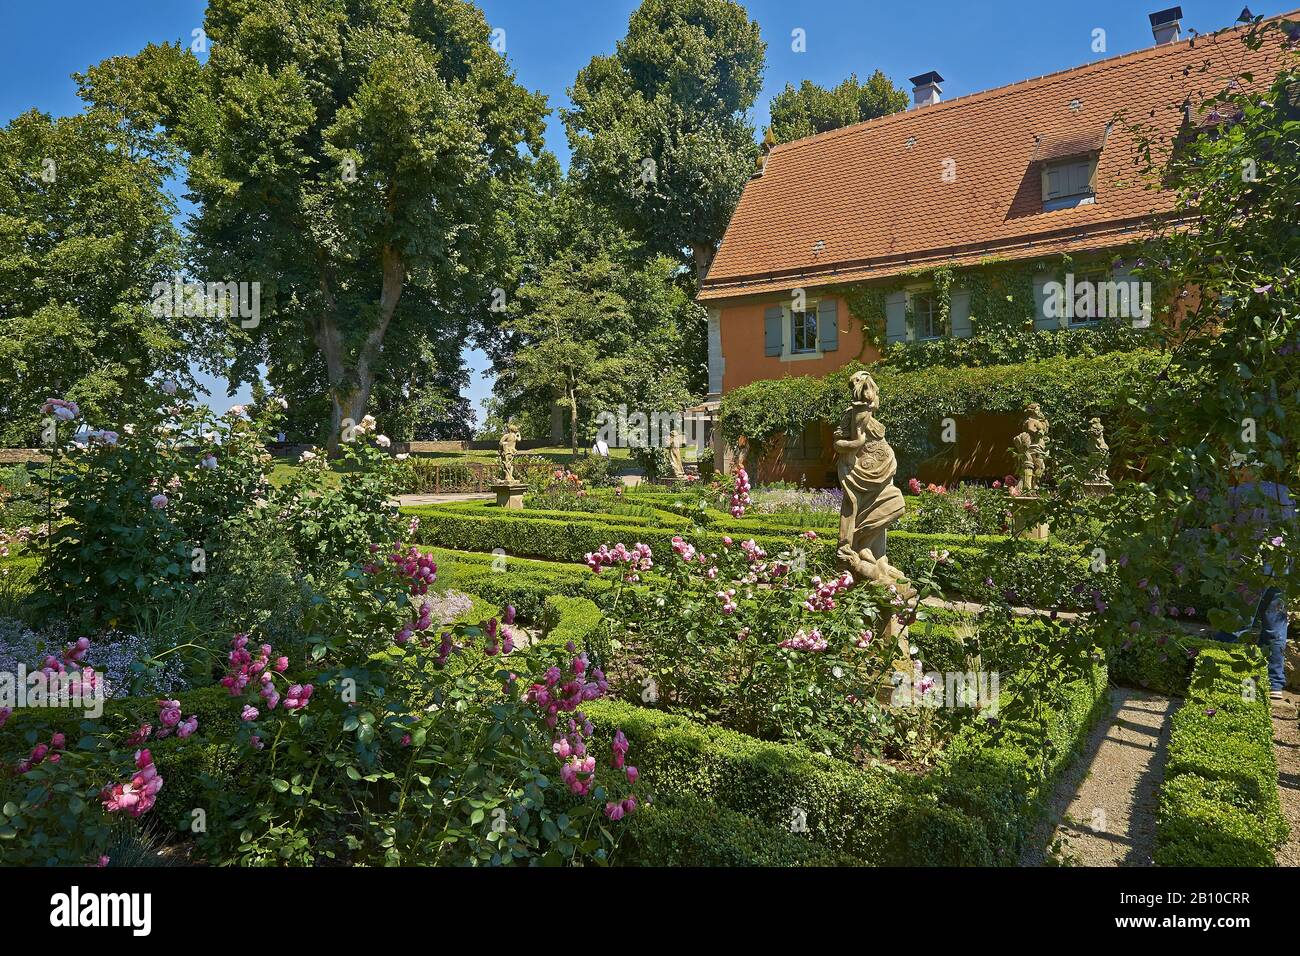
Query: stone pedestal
(673,481)
(1098,489)
(510,494)
(1022,524)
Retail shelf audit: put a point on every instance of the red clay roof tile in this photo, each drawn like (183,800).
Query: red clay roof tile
(874,194)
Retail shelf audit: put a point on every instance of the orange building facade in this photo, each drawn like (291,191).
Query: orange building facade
(1038,174)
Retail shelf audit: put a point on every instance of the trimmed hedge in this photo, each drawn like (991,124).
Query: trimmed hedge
(1159,662)
(975,808)
(694,832)
(1219,805)
(1042,574)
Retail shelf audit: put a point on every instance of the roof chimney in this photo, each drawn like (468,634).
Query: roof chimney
(926,89)
(1166,25)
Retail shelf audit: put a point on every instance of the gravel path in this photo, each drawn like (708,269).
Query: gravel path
(1286,744)
(1103,811)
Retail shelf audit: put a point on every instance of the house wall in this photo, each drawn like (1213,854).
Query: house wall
(738,356)
(741,328)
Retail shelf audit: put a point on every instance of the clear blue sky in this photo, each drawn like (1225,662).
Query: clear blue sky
(974,45)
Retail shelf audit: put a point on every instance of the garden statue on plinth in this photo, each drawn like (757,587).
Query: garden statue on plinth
(1098,483)
(1030,447)
(510,493)
(866,466)
(676,470)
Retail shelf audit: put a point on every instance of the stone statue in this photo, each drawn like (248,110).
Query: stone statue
(1031,449)
(675,467)
(866,466)
(509,443)
(1098,453)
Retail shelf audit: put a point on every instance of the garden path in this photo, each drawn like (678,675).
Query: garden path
(1286,744)
(405,500)
(1103,810)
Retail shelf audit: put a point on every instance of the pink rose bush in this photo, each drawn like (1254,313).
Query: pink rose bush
(749,637)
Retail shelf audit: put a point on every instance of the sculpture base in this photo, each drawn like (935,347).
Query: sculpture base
(1022,526)
(673,480)
(510,494)
(1098,489)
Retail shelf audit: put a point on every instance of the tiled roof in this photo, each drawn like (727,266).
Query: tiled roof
(870,200)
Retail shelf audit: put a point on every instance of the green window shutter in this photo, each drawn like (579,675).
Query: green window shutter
(1042,320)
(773,316)
(959,314)
(896,318)
(828,325)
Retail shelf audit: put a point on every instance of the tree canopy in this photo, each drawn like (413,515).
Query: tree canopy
(85,231)
(354,159)
(811,109)
(660,129)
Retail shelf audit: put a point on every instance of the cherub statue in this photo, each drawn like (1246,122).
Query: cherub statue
(1030,447)
(1098,452)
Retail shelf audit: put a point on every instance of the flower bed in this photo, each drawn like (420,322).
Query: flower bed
(975,808)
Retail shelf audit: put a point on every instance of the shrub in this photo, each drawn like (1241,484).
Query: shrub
(1219,805)
(1070,389)
(689,831)
(756,642)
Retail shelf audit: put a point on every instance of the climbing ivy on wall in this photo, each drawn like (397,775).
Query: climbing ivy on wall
(914,403)
(1002,320)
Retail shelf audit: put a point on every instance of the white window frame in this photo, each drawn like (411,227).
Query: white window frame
(788,354)
(929,294)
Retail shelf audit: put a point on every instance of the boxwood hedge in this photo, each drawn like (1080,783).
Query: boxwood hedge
(1219,805)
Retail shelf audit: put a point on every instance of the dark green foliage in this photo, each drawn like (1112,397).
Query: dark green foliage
(914,403)
(811,109)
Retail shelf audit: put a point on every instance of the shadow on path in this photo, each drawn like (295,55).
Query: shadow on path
(1103,809)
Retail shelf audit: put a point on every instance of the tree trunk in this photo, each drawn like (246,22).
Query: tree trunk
(351,383)
(573,422)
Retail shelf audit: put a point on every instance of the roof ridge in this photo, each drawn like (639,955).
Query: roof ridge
(992,92)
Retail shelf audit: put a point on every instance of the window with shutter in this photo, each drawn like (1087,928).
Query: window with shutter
(803,331)
(1067,183)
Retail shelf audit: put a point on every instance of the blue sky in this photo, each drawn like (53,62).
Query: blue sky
(974,45)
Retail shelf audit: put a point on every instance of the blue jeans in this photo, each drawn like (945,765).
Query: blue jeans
(1270,615)
(1272,635)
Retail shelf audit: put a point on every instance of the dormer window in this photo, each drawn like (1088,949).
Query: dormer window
(1068,183)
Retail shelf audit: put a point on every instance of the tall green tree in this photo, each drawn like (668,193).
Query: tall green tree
(592,333)
(660,130)
(356,159)
(810,108)
(85,231)
(1226,409)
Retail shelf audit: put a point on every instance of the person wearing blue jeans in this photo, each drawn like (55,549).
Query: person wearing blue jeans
(1272,637)
(1268,505)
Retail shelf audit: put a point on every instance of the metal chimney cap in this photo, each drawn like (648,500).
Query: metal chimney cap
(931,77)
(1172,15)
